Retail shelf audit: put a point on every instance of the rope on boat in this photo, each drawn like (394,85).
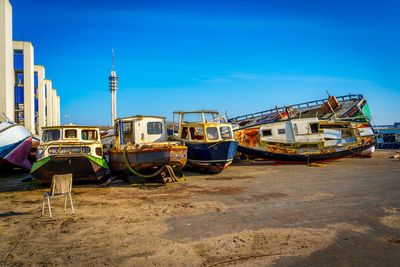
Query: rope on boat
(167,167)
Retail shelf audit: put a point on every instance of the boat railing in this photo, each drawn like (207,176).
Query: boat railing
(308,105)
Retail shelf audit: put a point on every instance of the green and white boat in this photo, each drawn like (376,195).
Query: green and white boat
(70,149)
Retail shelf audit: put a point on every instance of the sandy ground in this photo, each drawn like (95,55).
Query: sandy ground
(346,213)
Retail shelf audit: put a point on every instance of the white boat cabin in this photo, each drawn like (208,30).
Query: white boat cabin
(140,130)
(313,131)
(69,140)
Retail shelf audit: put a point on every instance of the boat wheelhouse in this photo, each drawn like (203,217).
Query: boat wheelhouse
(70,149)
(141,147)
(305,140)
(209,139)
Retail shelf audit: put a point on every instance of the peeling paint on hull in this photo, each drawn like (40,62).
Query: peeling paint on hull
(296,158)
(148,160)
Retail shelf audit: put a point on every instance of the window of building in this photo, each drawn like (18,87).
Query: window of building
(196,133)
(154,127)
(281,131)
(267,132)
(89,135)
(18,59)
(212,133)
(50,135)
(70,134)
(226,132)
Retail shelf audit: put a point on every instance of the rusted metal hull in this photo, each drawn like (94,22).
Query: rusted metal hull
(147,160)
(298,158)
(81,167)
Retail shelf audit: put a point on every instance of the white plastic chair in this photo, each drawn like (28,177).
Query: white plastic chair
(61,185)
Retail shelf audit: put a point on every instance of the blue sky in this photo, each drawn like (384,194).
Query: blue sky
(232,56)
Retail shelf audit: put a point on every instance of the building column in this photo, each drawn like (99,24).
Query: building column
(28,84)
(58,111)
(41,95)
(6,61)
(54,108)
(49,102)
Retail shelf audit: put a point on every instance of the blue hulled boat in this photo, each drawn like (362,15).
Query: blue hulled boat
(209,139)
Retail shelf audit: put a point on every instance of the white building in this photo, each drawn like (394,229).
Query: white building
(6,61)
(26,97)
(49,102)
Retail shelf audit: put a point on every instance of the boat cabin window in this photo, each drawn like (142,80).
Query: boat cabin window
(50,135)
(281,131)
(226,132)
(128,136)
(154,127)
(210,117)
(314,127)
(267,132)
(127,127)
(196,133)
(212,133)
(116,128)
(192,117)
(184,134)
(89,135)
(70,134)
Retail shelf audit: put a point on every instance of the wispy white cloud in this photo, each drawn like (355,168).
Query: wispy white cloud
(243,76)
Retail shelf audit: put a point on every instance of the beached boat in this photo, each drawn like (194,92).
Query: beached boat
(141,147)
(347,107)
(15,145)
(70,149)
(305,140)
(209,139)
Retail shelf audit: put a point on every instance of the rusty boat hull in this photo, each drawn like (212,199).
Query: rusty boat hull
(305,140)
(82,167)
(304,159)
(147,160)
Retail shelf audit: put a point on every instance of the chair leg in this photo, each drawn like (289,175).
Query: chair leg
(48,202)
(72,206)
(43,204)
(65,203)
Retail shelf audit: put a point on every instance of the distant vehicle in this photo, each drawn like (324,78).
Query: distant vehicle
(139,145)
(388,136)
(305,140)
(15,146)
(70,149)
(209,139)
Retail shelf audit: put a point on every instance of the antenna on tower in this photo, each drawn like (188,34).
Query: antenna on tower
(113,83)
(113,59)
